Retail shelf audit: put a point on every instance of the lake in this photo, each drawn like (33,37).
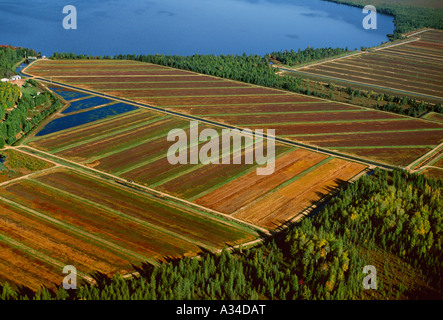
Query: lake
(187,27)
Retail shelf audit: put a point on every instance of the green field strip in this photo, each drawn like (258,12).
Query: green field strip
(172,89)
(357,132)
(250,104)
(127,217)
(83,126)
(37,254)
(280,112)
(197,166)
(317,122)
(109,134)
(243,173)
(79,232)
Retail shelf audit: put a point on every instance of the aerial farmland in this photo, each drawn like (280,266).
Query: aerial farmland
(104,180)
(357,131)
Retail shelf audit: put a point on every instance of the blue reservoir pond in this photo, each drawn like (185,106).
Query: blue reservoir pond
(187,27)
(86,104)
(68,94)
(78,119)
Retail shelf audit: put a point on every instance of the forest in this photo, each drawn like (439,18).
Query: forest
(10,56)
(22,114)
(387,219)
(291,57)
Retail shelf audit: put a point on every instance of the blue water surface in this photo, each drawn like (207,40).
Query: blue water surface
(85,117)
(187,27)
(86,104)
(68,94)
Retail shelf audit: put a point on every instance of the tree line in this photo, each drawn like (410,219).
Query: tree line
(322,257)
(291,57)
(10,56)
(18,120)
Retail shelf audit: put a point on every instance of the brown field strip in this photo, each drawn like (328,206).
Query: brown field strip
(19,268)
(409,138)
(254,109)
(240,120)
(108,86)
(88,82)
(401,156)
(201,92)
(353,127)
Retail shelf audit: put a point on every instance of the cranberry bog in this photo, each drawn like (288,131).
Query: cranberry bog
(63,217)
(306,120)
(113,199)
(413,68)
(135,147)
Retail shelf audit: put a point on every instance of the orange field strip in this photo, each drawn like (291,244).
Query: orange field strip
(275,208)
